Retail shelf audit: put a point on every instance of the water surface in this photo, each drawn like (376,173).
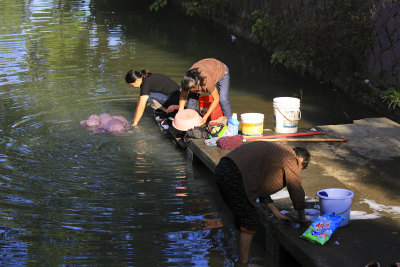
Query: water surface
(69,196)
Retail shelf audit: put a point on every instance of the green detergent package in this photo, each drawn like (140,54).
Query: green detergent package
(322,228)
(216,129)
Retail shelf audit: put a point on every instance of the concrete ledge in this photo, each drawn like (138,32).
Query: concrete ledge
(341,165)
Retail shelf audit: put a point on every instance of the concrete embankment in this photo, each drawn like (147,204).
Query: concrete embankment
(369,165)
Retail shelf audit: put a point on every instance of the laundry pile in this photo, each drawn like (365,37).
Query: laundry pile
(106,123)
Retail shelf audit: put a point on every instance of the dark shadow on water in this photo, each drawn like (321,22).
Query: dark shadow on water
(259,256)
(251,72)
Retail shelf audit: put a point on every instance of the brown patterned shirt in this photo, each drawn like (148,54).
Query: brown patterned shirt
(267,168)
(213,70)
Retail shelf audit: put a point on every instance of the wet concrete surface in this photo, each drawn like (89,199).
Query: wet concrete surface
(367,164)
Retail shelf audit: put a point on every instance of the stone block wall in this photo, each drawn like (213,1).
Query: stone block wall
(383,57)
(378,62)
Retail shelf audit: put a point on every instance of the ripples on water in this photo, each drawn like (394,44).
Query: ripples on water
(69,196)
(73,196)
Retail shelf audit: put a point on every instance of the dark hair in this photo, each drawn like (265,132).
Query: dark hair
(191,77)
(303,153)
(132,75)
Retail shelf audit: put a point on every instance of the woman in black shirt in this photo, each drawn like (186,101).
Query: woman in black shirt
(153,86)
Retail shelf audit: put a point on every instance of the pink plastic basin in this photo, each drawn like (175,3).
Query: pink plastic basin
(186,119)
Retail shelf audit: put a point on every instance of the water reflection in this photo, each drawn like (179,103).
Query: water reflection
(69,196)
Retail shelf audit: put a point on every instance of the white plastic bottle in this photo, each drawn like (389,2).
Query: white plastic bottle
(233,125)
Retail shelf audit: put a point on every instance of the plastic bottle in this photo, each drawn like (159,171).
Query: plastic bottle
(233,125)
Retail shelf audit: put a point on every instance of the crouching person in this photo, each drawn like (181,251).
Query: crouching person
(258,170)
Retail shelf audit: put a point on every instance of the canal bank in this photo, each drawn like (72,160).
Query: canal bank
(73,197)
(359,57)
(367,165)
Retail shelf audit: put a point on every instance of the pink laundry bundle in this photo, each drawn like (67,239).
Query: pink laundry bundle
(106,123)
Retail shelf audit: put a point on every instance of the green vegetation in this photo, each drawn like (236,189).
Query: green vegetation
(158,4)
(331,35)
(207,7)
(304,36)
(392,97)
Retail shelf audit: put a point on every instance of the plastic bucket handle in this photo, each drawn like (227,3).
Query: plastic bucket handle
(286,117)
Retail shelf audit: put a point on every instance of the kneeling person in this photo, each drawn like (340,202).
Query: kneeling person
(258,170)
(153,86)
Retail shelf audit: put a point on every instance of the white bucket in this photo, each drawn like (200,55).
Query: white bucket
(252,124)
(287,114)
(336,200)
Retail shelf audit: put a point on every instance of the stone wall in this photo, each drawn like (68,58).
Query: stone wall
(383,60)
(378,63)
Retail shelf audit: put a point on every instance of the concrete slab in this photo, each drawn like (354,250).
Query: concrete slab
(369,165)
(374,138)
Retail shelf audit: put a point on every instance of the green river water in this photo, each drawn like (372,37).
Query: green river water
(71,197)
